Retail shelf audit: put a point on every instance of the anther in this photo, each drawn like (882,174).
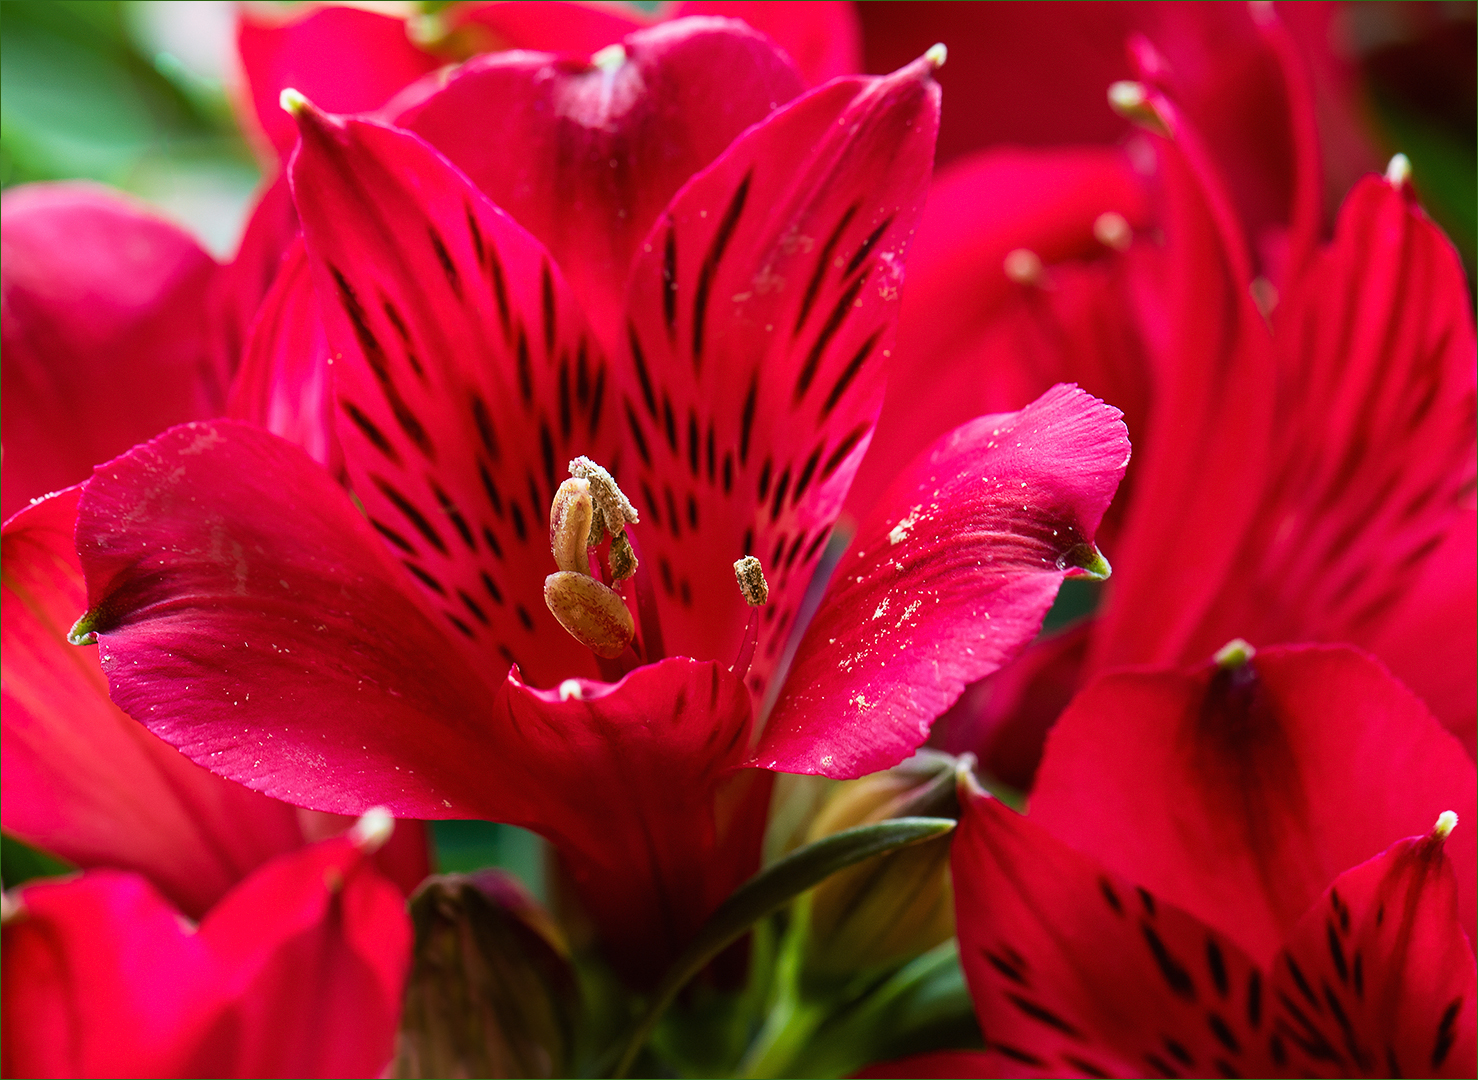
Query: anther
(1398,172)
(623,559)
(1131,100)
(751,578)
(936,54)
(593,614)
(1111,230)
(1446,822)
(570,517)
(1024,267)
(610,59)
(615,508)
(372,829)
(1234,654)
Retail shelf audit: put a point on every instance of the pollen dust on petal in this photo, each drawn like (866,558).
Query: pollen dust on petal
(899,533)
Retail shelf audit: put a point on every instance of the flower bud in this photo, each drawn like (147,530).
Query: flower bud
(594,615)
(491,990)
(895,906)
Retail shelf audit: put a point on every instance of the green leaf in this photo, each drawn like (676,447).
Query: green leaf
(20,862)
(770,890)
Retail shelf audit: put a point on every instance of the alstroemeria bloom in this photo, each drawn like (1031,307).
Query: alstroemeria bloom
(1313,483)
(298,971)
(1229,871)
(364,655)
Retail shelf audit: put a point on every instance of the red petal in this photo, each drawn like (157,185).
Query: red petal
(105,335)
(962,1063)
(1241,794)
(283,383)
(947,581)
(762,309)
(636,784)
(571,29)
(1203,461)
(1077,972)
(344,58)
(84,781)
(296,973)
(587,159)
(1373,466)
(241,286)
(970,339)
(1377,978)
(466,380)
(244,605)
(824,39)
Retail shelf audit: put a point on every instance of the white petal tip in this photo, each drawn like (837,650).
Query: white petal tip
(1234,654)
(1398,172)
(1446,822)
(292,101)
(937,54)
(372,829)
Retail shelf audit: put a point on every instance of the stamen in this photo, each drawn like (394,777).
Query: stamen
(751,577)
(372,829)
(593,614)
(614,506)
(570,517)
(1398,172)
(1131,100)
(1024,267)
(1112,230)
(1234,654)
(1446,822)
(623,559)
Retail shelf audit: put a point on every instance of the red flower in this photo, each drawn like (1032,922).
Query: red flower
(298,971)
(1228,871)
(236,590)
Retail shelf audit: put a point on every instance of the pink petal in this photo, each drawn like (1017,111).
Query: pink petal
(1075,971)
(283,384)
(637,785)
(969,337)
(84,781)
(1377,978)
(1241,794)
(105,335)
(241,286)
(948,580)
(236,591)
(570,29)
(466,380)
(587,159)
(297,972)
(344,58)
(824,39)
(762,309)
(1373,466)
(1199,477)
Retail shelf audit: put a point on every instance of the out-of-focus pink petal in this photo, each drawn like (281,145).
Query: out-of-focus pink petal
(824,39)
(242,285)
(1076,971)
(1004,718)
(298,972)
(570,29)
(244,605)
(344,58)
(1240,794)
(1377,977)
(636,784)
(972,340)
(83,780)
(1373,465)
(105,333)
(1199,477)
(762,310)
(466,380)
(948,580)
(283,384)
(587,157)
